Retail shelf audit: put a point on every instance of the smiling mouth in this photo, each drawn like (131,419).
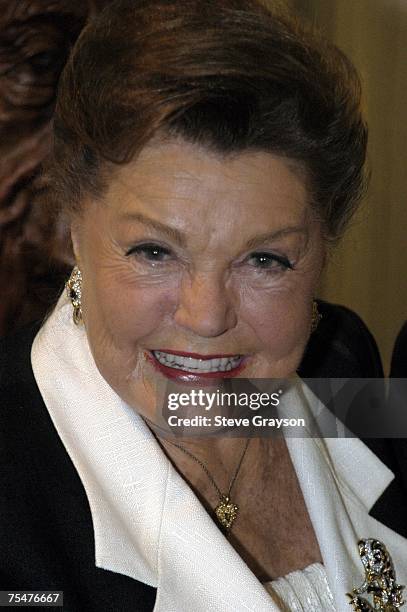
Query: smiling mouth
(199,365)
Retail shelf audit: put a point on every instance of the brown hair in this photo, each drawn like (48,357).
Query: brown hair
(231,75)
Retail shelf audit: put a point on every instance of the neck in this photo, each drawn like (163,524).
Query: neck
(220,456)
(222,453)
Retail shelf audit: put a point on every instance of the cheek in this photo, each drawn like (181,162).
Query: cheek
(287,328)
(124,315)
(280,322)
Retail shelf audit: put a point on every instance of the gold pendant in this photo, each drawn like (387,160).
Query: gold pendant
(379,582)
(226,512)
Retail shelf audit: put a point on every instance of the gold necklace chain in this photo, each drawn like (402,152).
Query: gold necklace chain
(226,511)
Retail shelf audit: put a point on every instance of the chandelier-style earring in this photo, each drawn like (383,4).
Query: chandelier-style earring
(74,291)
(316,316)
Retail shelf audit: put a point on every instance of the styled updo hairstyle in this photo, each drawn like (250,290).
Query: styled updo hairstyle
(229,75)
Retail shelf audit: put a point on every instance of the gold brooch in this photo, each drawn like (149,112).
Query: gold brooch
(380,580)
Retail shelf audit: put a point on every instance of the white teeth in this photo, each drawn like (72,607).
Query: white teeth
(190,364)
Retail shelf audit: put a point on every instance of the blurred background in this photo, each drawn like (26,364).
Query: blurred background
(368,270)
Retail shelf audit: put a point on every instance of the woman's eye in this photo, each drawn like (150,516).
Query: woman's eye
(268,261)
(150,252)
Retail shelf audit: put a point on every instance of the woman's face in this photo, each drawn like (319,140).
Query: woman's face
(195,267)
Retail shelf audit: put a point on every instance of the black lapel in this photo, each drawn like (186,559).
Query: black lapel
(391,507)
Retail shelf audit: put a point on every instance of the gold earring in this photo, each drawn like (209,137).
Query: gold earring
(74,291)
(316,316)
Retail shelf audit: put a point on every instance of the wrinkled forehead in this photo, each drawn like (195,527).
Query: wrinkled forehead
(210,197)
(184,170)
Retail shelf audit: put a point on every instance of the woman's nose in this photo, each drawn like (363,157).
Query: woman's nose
(205,306)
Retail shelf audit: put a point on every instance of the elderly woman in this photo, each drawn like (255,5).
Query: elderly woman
(206,154)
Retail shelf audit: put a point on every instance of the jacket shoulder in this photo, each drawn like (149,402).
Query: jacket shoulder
(16,374)
(399,358)
(46,533)
(341,347)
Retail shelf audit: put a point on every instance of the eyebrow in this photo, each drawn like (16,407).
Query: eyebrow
(180,238)
(170,232)
(257,241)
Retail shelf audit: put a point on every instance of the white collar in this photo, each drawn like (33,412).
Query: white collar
(341,479)
(149,525)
